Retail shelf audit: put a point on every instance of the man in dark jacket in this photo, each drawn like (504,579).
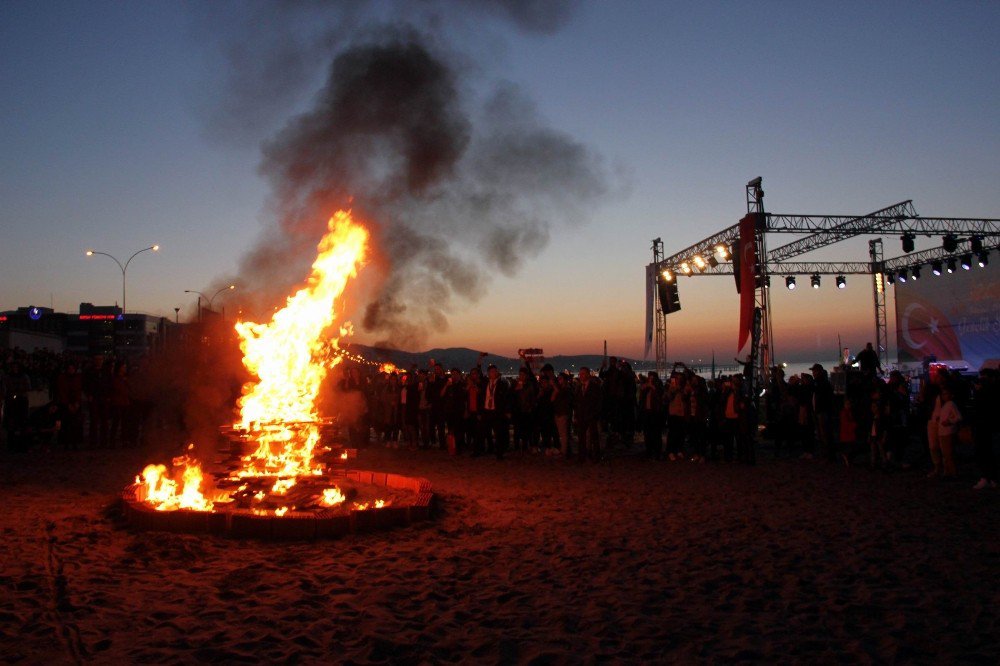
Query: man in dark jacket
(587,403)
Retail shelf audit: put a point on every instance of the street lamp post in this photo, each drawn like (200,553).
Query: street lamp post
(124,267)
(207,299)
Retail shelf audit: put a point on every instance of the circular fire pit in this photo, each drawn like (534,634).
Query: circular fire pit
(411,499)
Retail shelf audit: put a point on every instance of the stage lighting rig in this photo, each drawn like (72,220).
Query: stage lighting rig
(951,265)
(984,259)
(949,243)
(915,272)
(790,282)
(841,282)
(814,281)
(907,242)
(966,262)
(936,267)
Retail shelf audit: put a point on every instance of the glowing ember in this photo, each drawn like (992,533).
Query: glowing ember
(379,503)
(332,497)
(281,486)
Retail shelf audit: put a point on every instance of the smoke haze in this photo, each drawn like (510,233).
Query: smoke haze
(459,177)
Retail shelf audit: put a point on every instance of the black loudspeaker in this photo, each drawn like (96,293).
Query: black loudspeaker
(669,300)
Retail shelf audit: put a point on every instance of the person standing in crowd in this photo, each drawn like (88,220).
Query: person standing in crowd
(869,362)
(878,430)
(454,395)
(947,417)
(608,375)
(562,409)
(67,391)
(523,404)
(587,403)
(734,414)
(16,385)
(543,419)
(474,426)
(119,403)
(823,410)
(677,410)
(435,394)
(697,419)
(806,419)
(847,433)
(423,410)
(628,389)
(651,415)
(389,403)
(985,398)
(899,418)
(96,390)
(409,408)
(496,411)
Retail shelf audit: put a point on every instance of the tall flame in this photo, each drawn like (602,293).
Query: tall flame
(286,355)
(279,409)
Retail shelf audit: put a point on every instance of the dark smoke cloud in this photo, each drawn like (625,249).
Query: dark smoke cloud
(459,188)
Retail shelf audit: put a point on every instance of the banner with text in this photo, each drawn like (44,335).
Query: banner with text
(951,317)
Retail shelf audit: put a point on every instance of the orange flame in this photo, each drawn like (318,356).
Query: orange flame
(279,409)
(168,495)
(287,356)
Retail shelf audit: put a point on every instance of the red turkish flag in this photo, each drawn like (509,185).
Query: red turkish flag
(748,279)
(923,330)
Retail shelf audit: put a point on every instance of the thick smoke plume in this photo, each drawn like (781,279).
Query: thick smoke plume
(460,186)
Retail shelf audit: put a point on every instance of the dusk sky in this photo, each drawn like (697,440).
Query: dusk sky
(121,127)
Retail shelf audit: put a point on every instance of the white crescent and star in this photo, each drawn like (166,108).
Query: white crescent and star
(905,327)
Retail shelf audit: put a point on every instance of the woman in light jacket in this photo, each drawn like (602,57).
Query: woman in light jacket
(948,419)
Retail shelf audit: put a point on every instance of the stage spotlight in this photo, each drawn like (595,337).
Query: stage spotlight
(890,277)
(902,275)
(950,243)
(790,282)
(712,261)
(936,267)
(907,242)
(951,265)
(722,250)
(841,282)
(915,272)
(685,268)
(814,281)
(699,262)
(976,244)
(984,259)
(966,262)
(668,276)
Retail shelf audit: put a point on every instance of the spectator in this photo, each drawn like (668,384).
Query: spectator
(985,398)
(496,411)
(587,403)
(562,409)
(651,415)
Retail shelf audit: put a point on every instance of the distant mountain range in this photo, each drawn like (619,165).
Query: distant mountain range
(465,359)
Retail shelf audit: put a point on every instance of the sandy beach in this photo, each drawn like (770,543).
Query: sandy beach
(529,560)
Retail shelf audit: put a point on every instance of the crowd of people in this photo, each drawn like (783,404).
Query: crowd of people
(96,402)
(868,419)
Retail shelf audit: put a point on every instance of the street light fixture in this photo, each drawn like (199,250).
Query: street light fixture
(207,299)
(124,267)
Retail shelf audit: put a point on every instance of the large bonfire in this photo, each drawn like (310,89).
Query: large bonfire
(278,411)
